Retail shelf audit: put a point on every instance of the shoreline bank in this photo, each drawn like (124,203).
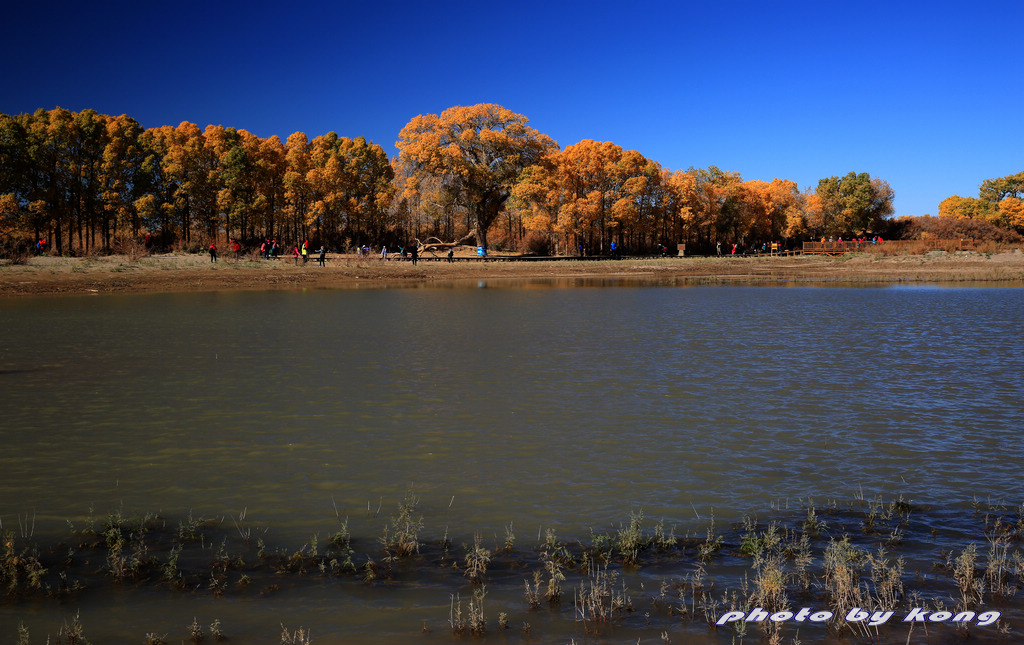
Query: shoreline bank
(49,275)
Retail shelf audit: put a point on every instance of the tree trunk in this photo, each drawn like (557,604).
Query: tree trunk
(480,233)
(487,210)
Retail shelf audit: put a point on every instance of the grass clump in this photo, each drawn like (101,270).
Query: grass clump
(477,559)
(755,544)
(341,541)
(299,636)
(473,620)
(631,540)
(401,534)
(72,633)
(21,571)
(600,598)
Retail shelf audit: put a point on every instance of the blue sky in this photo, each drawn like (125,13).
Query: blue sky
(928,97)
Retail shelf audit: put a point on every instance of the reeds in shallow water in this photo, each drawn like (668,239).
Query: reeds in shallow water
(833,559)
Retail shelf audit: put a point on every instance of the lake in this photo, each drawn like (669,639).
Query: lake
(528,405)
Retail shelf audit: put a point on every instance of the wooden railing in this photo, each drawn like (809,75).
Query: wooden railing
(853,246)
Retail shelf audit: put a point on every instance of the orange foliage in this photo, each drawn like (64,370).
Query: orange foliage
(1011,211)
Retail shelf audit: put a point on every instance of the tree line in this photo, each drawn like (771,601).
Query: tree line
(86,182)
(1000,201)
(515,182)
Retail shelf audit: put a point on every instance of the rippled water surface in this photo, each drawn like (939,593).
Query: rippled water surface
(544,407)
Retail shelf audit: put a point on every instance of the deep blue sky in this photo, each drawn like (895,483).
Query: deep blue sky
(928,96)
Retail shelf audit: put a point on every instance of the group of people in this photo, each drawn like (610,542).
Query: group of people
(740,249)
(858,241)
(413,253)
(303,252)
(269,249)
(236,248)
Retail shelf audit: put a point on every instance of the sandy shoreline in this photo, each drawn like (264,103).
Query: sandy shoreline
(47,275)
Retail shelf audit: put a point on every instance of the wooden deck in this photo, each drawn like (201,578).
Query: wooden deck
(808,248)
(507,258)
(457,258)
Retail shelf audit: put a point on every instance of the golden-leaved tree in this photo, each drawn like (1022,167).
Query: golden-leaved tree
(957,207)
(182,177)
(298,192)
(769,207)
(1011,211)
(477,152)
(572,192)
(350,188)
(639,209)
(680,199)
(593,193)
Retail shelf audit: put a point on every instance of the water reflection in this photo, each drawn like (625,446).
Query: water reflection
(641,281)
(806,391)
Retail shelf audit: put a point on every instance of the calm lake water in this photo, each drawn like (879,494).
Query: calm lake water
(527,404)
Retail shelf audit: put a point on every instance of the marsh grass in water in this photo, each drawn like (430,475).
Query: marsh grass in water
(471,621)
(401,534)
(477,559)
(834,557)
(299,636)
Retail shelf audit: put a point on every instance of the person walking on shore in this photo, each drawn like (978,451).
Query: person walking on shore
(213,252)
(384,252)
(323,255)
